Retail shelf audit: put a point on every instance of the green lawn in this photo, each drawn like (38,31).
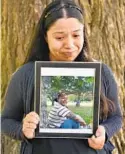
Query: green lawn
(84,111)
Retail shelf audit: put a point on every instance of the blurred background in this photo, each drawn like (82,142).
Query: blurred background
(105,21)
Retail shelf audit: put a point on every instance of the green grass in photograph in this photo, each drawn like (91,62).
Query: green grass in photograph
(84,111)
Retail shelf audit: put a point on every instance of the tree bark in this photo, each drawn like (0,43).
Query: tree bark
(106,30)
(18,23)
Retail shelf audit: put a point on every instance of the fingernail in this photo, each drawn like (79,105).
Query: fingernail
(97,134)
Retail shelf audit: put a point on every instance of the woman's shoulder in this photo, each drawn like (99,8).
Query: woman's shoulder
(26,67)
(24,70)
(106,70)
(107,74)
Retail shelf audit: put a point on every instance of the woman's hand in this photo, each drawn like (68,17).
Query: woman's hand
(98,141)
(30,123)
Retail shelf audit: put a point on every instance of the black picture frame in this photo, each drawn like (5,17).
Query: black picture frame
(69,77)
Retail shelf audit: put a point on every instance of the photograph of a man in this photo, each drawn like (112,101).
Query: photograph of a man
(60,116)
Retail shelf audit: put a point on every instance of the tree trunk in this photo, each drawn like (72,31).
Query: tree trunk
(18,23)
(106,30)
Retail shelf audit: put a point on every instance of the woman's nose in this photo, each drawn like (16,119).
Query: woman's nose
(69,42)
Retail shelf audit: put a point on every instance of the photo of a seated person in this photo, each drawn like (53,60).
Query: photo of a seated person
(61,117)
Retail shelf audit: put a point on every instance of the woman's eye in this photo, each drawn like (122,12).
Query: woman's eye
(59,38)
(76,36)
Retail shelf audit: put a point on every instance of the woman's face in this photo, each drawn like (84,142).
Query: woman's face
(65,39)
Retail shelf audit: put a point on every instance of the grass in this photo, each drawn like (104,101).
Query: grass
(84,111)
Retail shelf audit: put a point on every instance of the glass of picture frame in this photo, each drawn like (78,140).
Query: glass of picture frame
(79,84)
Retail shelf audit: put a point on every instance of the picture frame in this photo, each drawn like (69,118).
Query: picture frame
(80,82)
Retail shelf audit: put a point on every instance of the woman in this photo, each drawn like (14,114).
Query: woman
(60,36)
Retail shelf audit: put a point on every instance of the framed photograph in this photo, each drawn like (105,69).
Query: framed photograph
(67,99)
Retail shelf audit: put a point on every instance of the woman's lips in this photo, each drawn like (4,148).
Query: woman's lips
(69,54)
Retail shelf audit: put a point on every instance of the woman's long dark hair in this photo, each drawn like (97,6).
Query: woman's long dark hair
(39,50)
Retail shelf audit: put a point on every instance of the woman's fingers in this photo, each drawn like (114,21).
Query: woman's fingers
(30,123)
(32,117)
(29,133)
(98,141)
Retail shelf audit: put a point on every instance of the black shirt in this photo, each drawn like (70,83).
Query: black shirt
(61,146)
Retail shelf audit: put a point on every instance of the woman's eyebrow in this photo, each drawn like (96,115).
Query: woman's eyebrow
(62,32)
(77,30)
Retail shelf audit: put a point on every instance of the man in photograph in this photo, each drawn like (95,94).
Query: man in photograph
(61,117)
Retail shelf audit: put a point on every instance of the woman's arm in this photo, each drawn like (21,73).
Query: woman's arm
(114,121)
(12,114)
